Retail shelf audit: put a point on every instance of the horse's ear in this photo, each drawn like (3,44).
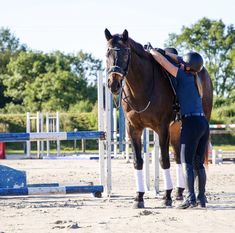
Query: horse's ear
(125,35)
(107,34)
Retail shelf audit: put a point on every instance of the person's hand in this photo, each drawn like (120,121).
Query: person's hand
(180,60)
(148,47)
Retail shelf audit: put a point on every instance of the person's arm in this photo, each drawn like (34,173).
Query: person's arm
(174,57)
(173,70)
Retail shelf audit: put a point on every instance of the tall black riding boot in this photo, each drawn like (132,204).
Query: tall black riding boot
(201,187)
(191,199)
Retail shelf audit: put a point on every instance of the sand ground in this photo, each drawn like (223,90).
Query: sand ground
(83,213)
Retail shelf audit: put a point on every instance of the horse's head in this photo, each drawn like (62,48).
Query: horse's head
(117,59)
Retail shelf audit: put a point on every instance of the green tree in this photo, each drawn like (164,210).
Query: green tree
(9,46)
(215,41)
(54,81)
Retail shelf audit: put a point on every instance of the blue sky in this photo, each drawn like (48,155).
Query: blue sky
(72,25)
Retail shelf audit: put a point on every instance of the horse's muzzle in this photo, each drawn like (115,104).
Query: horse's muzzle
(115,83)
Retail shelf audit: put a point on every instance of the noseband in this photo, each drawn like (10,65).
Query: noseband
(117,69)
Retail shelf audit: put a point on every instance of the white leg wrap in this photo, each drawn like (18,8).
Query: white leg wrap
(167,179)
(139,178)
(180,176)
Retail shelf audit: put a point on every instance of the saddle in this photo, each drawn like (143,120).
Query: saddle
(173,83)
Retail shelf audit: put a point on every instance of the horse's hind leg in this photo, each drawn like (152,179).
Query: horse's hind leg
(165,165)
(175,142)
(135,136)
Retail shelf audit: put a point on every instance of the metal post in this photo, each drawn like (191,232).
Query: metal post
(121,129)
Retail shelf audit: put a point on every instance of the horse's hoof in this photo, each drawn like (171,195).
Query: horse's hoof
(167,203)
(138,205)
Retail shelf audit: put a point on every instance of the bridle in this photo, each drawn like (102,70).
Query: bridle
(117,69)
(123,73)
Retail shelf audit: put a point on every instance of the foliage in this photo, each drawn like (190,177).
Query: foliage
(215,41)
(36,81)
(10,46)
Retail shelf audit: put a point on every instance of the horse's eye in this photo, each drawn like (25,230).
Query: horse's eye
(108,51)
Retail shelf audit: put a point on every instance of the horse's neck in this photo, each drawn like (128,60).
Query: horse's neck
(140,76)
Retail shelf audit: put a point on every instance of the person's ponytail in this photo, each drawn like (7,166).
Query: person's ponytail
(198,84)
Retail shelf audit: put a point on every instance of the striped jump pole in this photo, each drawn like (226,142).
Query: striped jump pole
(222,126)
(17,137)
(42,189)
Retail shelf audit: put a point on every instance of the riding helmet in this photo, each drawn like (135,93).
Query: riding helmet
(194,61)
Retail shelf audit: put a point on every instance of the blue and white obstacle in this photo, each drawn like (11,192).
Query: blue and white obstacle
(13,183)
(12,178)
(21,137)
(45,189)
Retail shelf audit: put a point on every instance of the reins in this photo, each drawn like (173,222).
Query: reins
(125,99)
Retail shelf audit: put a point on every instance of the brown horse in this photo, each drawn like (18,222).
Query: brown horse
(147,100)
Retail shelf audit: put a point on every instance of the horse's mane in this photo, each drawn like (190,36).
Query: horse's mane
(138,48)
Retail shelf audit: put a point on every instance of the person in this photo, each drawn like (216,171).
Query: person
(195,128)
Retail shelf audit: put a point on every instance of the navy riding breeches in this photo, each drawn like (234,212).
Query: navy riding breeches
(194,140)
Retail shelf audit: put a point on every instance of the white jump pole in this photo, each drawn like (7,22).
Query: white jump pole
(42,130)
(47,130)
(38,131)
(101,126)
(115,132)
(57,119)
(28,144)
(155,162)
(108,139)
(146,159)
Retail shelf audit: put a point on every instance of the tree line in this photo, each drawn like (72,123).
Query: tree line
(37,81)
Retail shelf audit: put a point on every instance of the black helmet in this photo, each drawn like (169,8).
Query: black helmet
(171,50)
(194,61)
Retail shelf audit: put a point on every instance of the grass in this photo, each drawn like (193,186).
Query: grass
(71,150)
(53,151)
(224,147)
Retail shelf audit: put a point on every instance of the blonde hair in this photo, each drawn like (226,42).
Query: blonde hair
(198,84)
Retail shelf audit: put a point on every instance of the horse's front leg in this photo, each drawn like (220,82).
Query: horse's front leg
(135,137)
(165,165)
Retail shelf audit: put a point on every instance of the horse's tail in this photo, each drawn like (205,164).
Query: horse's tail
(208,153)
